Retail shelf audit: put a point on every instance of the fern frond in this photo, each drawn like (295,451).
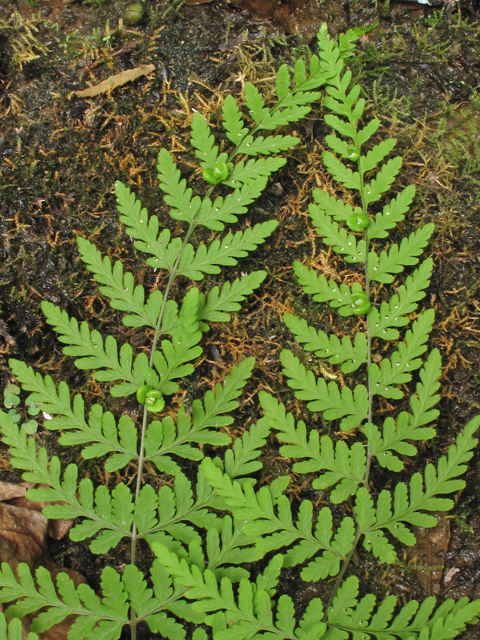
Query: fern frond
(338,296)
(272,531)
(14,630)
(343,465)
(375,155)
(427,396)
(393,213)
(381,267)
(221,302)
(184,207)
(247,172)
(145,229)
(383,180)
(120,287)
(251,146)
(350,617)
(252,615)
(350,356)
(394,436)
(392,314)
(397,369)
(225,252)
(336,208)
(91,353)
(228,547)
(101,428)
(340,173)
(243,459)
(424,492)
(164,439)
(342,242)
(329,399)
(225,210)
(167,517)
(203,141)
(232,121)
(173,361)
(96,617)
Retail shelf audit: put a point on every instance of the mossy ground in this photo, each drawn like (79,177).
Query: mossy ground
(60,156)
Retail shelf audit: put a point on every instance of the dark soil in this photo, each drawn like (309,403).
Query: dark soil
(60,156)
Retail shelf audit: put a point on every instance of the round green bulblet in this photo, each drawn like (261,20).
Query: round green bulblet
(353,153)
(358,222)
(154,401)
(217,174)
(360,304)
(133,14)
(142,393)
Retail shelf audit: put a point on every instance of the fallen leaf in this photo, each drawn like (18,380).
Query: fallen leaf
(115,81)
(428,554)
(14,494)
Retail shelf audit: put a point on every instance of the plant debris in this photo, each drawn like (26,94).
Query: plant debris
(118,80)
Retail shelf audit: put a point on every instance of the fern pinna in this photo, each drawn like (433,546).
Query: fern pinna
(313,538)
(182,515)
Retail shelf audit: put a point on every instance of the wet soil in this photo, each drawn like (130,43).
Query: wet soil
(60,156)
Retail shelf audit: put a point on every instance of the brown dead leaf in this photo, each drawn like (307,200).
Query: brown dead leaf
(23,533)
(115,81)
(428,554)
(14,494)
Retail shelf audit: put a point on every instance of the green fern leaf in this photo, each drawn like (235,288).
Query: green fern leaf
(223,252)
(184,207)
(232,121)
(221,302)
(100,429)
(375,155)
(338,296)
(14,631)
(255,103)
(144,229)
(204,143)
(343,243)
(440,481)
(381,267)
(349,617)
(408,426)
(224,210)
(397,369)
(120,288)
(273,531)
(427,396)
(252,170)
(271,144)
(342,465)
(383,180)
(164,439)
(336,208)
(92,354)
(393,213)
(392,314)
(350,356)
(252,615)
(329,399)
(340,173)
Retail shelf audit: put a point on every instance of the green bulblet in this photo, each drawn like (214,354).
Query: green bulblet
(353,153)
(142,393)
(154,401)
(358,222)
(133,14)
(217,174)
(360,304)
